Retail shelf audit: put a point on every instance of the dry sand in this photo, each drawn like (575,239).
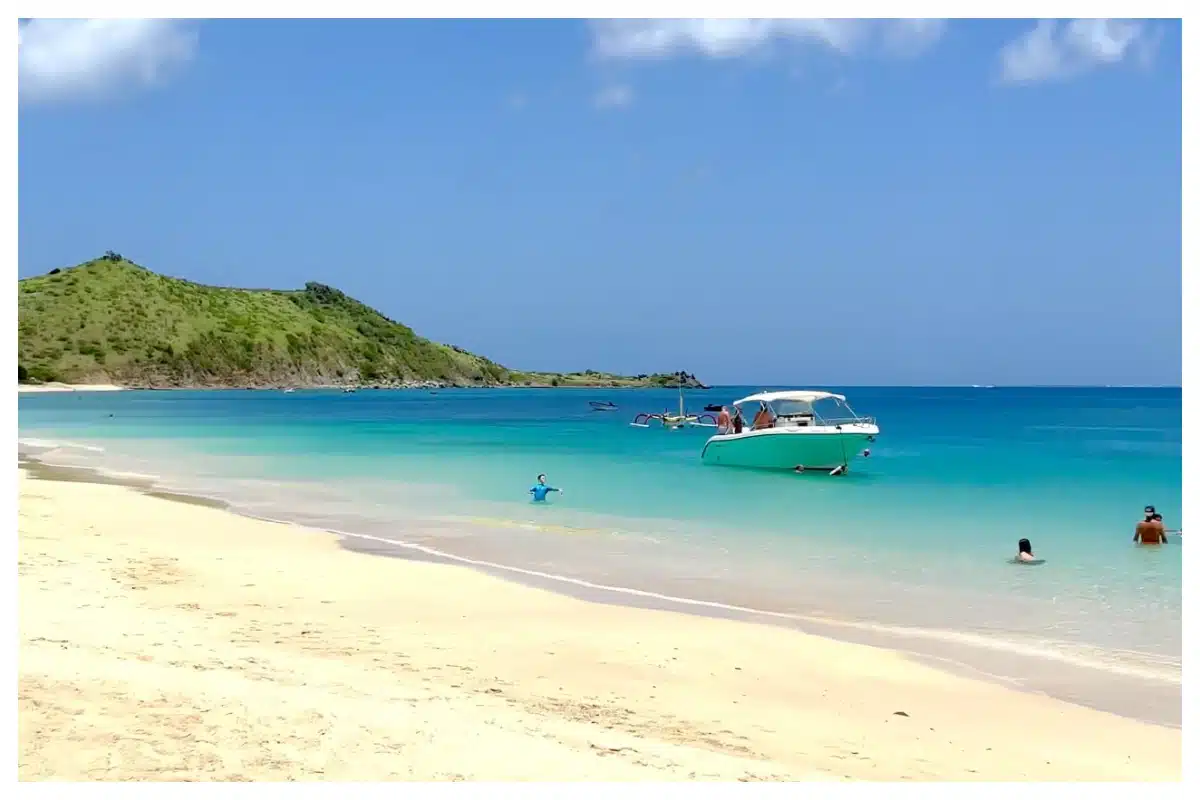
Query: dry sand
(28,388)
(161,640)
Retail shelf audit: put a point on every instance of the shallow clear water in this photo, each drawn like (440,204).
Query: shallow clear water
(918,536)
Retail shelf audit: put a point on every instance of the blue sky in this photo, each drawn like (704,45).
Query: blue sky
(797,202)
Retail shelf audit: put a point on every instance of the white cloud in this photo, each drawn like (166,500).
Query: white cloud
(613,97)
(1051,51)
(69,59)
(910,37)
(734,38)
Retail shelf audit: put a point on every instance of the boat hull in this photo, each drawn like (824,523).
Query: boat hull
(788,448)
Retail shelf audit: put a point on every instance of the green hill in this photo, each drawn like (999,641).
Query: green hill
(112,320)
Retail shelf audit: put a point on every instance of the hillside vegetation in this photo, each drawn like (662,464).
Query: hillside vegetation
(112,320)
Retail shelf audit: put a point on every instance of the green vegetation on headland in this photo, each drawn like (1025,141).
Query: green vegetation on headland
(591,377)
(110,320)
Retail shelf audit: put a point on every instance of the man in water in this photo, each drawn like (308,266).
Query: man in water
(1151,529)
(540,489)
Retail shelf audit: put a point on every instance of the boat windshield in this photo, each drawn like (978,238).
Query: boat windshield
(791,408)
(834,411)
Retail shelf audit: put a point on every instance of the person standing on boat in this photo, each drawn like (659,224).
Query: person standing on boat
(540,489)
(724,422)
(1151,529)
(763,418)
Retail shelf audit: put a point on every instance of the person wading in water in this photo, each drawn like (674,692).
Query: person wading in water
(1151,529)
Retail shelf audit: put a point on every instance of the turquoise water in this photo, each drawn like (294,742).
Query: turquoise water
(918,536)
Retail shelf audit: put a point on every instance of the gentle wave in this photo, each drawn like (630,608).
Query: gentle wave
(1126,663)
(42,451)
(496,522)
(58,444)
(543,527)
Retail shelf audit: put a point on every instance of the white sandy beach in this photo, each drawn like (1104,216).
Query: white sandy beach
(27,388)
(162,640)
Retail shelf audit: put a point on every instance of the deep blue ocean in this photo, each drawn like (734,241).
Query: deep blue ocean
(918,537)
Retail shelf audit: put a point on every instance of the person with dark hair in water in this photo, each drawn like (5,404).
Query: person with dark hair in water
(1025,551)
(1150,530)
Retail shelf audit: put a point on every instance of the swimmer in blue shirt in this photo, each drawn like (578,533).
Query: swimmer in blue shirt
(540,490)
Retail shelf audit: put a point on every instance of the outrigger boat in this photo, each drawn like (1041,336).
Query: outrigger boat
(667,420)
(797,437)
(675,421)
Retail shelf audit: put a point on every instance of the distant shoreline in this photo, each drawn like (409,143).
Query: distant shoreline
(24,388)
(44,388)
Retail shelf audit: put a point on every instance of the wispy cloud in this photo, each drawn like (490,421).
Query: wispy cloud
(613,97)
(71,59)
(1054,51)
(735,38)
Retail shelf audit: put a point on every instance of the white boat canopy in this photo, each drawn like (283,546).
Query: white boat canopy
(804,396)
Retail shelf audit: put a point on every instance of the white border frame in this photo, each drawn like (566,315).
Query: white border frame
(640,8)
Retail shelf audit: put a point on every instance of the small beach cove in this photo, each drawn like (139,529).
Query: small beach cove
(41,388)
(209,633)
(1018,633)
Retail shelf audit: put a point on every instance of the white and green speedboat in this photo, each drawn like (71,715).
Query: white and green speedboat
(794,433)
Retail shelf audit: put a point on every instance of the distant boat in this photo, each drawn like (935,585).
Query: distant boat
(675,422)
(348,390)
(288,390)
(605,405)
